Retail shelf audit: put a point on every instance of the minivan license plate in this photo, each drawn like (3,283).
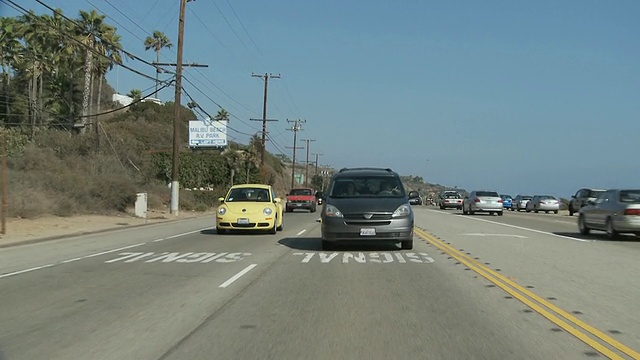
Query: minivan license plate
(367,232)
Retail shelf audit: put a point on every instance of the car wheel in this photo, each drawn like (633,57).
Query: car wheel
(406,245)
(274,229)
(582,226)
(571,211)
(281,227)
(535,211)
(313,209)
(500,213)
(555,211)
(611,232)
(546,212)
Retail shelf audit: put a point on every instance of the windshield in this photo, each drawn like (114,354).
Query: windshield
(248,194)
(367,186)
(301,192)
(595,193)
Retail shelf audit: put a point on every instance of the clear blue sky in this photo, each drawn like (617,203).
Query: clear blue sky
(521,97)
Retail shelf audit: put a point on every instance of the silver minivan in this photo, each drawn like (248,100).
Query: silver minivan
(482,201)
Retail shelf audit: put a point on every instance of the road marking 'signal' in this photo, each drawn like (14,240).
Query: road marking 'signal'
(556,315)
(95,254)
(237,276)
(361,257)
(188,257)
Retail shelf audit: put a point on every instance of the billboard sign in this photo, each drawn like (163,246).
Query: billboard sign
(207,133)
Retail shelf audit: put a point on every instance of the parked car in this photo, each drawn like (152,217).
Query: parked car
(451,200)
(366,204)
(520,202)
(544,203)
(482,201)
(507,201)
(582,198)
(250,207)
(615,211)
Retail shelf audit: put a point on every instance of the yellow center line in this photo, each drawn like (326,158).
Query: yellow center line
(502,282)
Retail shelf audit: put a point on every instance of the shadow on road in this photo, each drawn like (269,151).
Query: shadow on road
(315,244)
(600,237)
(213,231)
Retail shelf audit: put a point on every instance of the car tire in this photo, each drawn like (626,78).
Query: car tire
(406,245)
(274,229)
(500,213)
(571,211)
(611,232)
(313,209)
(281,227)
(582,226)
(555,211)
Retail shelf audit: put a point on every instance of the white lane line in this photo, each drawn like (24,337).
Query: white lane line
(237,276)
(114,250)
(179,235)
(25,270)
(532,230)
(301,232)
(70,260)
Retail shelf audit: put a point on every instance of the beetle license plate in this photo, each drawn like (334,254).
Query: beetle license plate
(243,221)
(367,232)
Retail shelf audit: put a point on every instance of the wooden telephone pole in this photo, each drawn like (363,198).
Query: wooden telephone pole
(295,128)
(264,120)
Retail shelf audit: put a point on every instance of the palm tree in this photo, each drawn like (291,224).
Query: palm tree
(156,42)
(222,115)
(10,48)
(135,94)
(96,35)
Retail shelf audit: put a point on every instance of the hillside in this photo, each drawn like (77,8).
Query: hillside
(62,173)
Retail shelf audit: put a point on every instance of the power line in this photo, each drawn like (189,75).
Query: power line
(232,29)
(244,28)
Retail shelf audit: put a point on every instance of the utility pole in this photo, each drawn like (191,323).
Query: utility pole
(3,230)
(317,154)
(264,112)
(306,167)
(175,185)
(296,127)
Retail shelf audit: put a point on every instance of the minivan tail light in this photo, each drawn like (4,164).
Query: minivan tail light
(632,212)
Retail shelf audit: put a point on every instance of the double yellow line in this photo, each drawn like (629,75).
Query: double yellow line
(570,323)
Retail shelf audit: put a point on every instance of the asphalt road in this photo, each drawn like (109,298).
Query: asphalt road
(520,286)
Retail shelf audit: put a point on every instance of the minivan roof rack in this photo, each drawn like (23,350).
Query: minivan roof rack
(366,168)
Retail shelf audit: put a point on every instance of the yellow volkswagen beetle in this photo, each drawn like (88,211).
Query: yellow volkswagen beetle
(250,207)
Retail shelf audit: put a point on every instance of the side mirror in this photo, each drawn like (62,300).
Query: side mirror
(221,199)
(573,196)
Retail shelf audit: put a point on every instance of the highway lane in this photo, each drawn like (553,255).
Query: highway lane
(284,298)
(591,276)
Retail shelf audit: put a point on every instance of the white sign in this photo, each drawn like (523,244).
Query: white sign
(362,258)
(207,133)
(189,257)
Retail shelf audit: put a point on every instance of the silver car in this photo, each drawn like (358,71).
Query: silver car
(614,211)
(582,198)
(544,203)
(520,202)
(482,201)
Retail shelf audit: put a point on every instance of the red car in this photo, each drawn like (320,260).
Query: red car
(301,198)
